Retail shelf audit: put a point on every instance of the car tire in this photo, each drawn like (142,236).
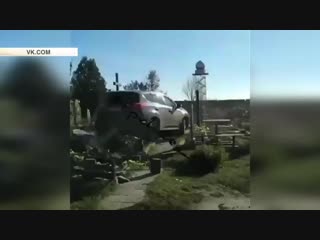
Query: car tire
(155,124)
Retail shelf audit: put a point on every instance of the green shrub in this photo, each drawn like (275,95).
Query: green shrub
(137,165)
(201,130)
(242,150)
(203,160)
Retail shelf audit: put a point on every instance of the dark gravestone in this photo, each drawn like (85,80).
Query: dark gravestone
(155,165)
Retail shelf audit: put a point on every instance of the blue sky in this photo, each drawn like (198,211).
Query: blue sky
(173,55)
(29,38)
(285,64)
(279,63)
(132,54)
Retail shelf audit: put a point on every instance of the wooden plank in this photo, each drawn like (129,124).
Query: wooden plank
(225,142)
(230,146)
(220,123)
(229,134)
(226,126)
(217,120)
(168,153)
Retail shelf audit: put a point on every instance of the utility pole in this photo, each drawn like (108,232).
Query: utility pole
(191,122)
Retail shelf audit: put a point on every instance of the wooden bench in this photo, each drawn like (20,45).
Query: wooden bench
(233,135)
(217,122)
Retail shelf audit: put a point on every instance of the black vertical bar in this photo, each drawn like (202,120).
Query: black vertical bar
(191,122)
(198,107)
(233,141)
(117,81)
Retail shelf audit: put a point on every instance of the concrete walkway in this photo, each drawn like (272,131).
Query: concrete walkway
(128,194)
(221,199)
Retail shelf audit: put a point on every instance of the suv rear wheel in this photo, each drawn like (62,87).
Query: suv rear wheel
(155,124)
(183,125)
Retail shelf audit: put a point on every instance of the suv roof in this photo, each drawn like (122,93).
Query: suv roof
(137,91)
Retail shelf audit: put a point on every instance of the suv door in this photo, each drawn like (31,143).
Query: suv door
(175,115)
(172,107)
(164,110)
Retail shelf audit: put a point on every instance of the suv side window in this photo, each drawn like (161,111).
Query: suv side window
(149,97)
(159,99)
(169,102)
(154,98)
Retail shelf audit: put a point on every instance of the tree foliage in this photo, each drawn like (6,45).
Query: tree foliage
(153,80)
(135,85)
(152,83)
(86,85)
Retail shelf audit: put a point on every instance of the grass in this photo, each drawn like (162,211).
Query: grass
(233,174)
(168,192)
(171,192)
(185,180)
(87,195)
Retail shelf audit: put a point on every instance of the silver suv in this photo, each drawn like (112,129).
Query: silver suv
(128,110)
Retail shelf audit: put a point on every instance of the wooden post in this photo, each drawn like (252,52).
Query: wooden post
(191,122)
(233,142)
(74,110)
(216,128)
(198,113)
(88,118)
(198,107)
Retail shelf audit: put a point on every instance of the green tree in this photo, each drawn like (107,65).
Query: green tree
(153,80)
(152,83)
(86,84)
(135,85)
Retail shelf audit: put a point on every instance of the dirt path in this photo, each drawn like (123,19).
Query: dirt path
(221,198)
(127,194)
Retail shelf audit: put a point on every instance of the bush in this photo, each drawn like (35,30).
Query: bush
(203,160)
(126,144)
(201,130)
(242,150)
(77,144)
